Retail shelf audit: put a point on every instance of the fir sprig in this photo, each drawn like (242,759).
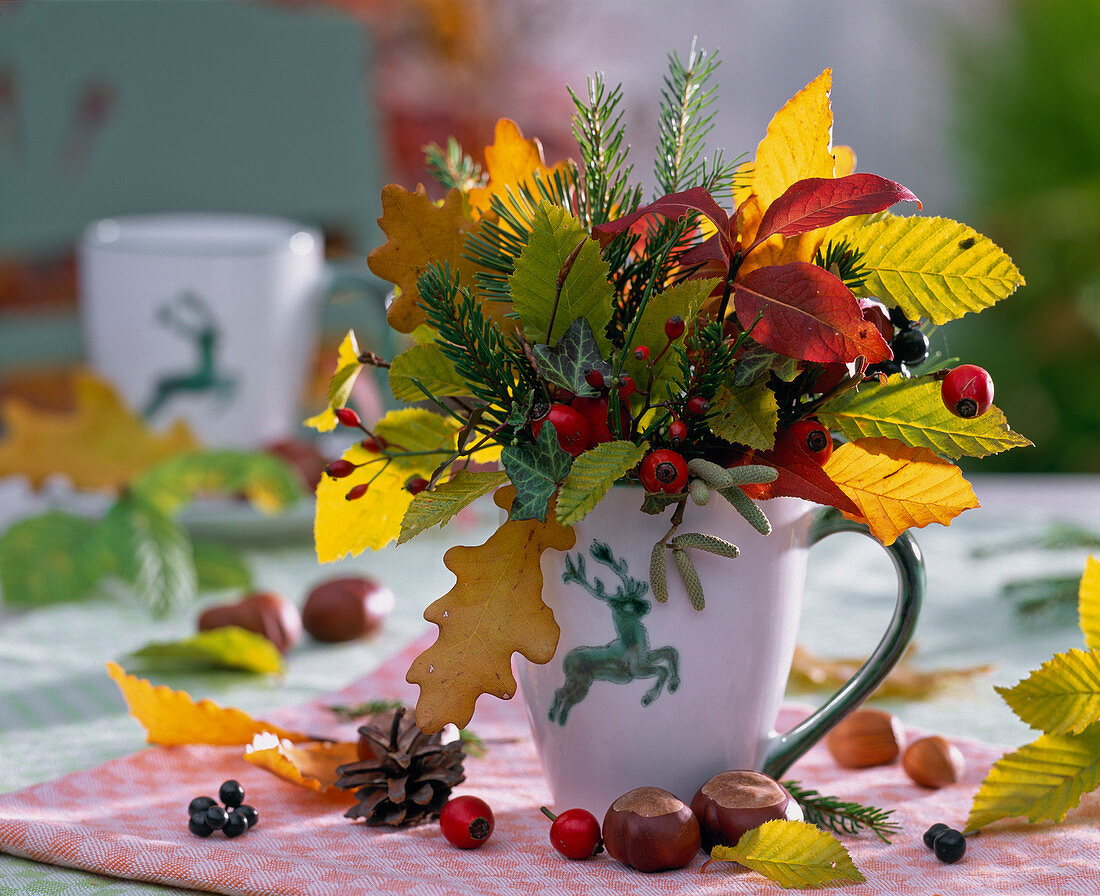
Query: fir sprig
(705,360)
(452,167)
(684,120)
(844,261)
(842,816)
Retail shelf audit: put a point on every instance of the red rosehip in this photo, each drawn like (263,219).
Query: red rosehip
(807,437)
(967,391)
(416,484)
(594,378)
(466,821)
(626,386)
(338,469)
(357,491)
(664,470)
(373,444)
(348,417)
(674,327)
(575,833)
(642,353)
(677,431)
(572,429)
(697,406)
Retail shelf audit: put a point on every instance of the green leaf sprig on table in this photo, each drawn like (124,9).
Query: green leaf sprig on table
(57,557)
(228,647)
(842,816)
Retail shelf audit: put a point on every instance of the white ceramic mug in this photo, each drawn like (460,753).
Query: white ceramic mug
(212,318)
(647,693)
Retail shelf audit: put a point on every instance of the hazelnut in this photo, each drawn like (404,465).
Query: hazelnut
(733,802)
(265,613)
(345,609)
(933,762)
(864,738)
(651,829)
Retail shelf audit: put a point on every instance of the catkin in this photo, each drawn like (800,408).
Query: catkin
(690,576)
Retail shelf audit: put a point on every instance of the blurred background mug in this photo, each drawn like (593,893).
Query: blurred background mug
(209,318)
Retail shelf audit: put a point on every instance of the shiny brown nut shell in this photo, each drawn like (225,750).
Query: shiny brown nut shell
(865,738)
(264,612)
(345,609)
(650,829)
(736,801)
(933,762)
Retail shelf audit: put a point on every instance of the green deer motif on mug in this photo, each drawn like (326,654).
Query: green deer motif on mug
(629,656)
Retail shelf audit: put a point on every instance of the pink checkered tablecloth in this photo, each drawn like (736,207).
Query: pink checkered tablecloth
(127,819)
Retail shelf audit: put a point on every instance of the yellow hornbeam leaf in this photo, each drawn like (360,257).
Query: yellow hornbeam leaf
(346,527)
(173,717)
(310,765)
(897,487)
(793,854)
(437,506)
(1040,781)
(427,366)
(339,387)
(1089,603)
(99,444)
(512,161)
(1060,697)
(592,474)
(494,610)
(798,144)
(747,416)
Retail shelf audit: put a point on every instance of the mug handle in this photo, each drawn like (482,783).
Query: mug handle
(909,564)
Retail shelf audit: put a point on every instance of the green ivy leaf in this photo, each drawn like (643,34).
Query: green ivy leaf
(592,475)
(151,552)
(427,365)
(567,363)
(219,566)
(51,558)
(912,411)
(586,292)
(264,479)
(228,647)
(535,470)
(436,507)
(749,416)
(1060,697)
(793,854)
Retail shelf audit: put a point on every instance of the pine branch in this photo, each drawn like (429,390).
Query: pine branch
(705,360)
(844,261)
(684,122)
(840,816)
(453,168)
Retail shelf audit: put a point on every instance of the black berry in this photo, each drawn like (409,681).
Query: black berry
(235,825)
(248,813)
(231,793)
(898,318)
(216,817)
(197,825)
(949,846)
(200,804)
(930,834)
(910,346)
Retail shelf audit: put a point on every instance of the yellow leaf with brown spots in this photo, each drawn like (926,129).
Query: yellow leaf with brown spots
(99,444)
(897,487)
(174,717)
(494,610)
(309,765)
(512,161)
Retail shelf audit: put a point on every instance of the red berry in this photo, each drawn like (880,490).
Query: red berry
(416,485)
(338,469)
(373,445)
(697,406)
(807,437)
(642,353)
(674,327)
(572,429)
(348,417)
(466,821)
(357,491)
(967,391)
(626,386)
(575,833)
(677,431)
(665,471)
(594,378)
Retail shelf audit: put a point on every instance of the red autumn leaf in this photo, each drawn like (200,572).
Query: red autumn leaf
(672,206)
(806,313)
(820,201)
(799,477)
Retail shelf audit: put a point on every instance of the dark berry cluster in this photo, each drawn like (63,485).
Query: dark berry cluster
(948,844)
(909,345)
(232,818)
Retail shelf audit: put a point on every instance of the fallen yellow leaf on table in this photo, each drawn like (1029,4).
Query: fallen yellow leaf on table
(311,765)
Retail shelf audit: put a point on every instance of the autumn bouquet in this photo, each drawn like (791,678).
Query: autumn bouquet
(758,329)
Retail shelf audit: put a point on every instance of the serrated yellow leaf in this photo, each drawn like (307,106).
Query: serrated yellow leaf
(1040,781)
(793,854)
(436,507)
(912,411)
(748,416)
(174,717)
(933,268)
(1060,697)
(309,765)
(494,610)
(339,387)
(897,487)
(512,161)
(100,444)
(1088,597)
(592,475)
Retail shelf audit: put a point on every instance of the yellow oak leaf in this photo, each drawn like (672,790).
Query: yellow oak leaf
(494,610)
(512,161)
(897,487)
(797,145)
(99,444)
(174,717)
(309,765)
(1088,595)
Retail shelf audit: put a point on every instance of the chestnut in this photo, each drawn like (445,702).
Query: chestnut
(303,458)
(346,608)
(264,612)
(736,801)
(651,829)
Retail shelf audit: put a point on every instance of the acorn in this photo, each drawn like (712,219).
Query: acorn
(734,802)
(650,829)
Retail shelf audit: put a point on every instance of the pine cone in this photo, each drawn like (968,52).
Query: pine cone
(409,777)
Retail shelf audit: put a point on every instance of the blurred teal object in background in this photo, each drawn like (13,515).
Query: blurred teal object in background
(1028,132)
